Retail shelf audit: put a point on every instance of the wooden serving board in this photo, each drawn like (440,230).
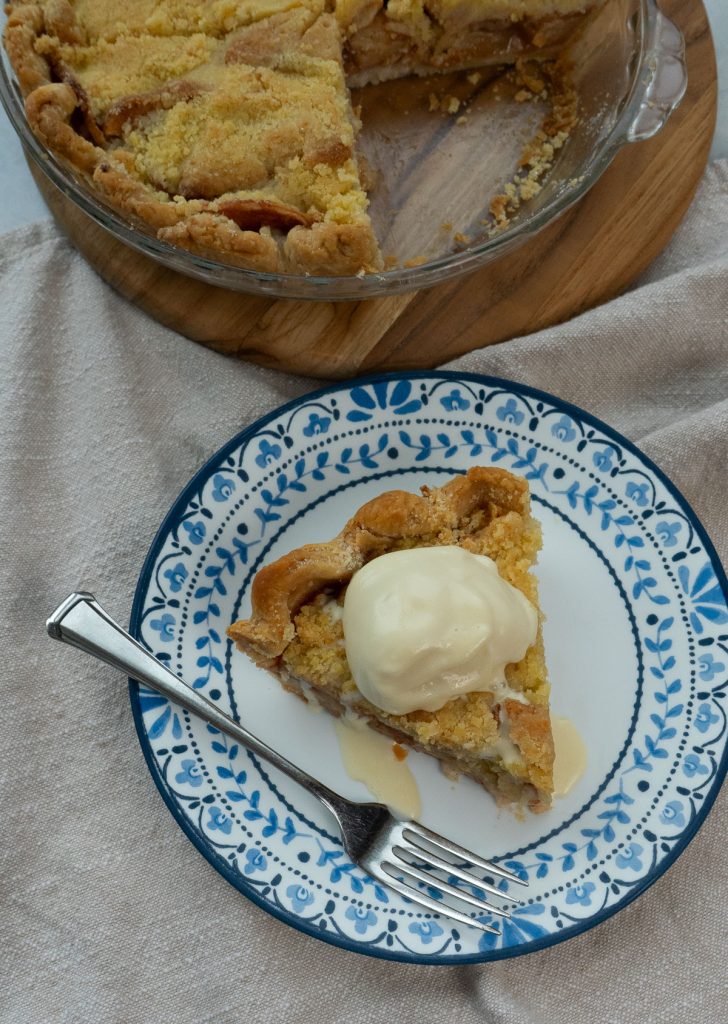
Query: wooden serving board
(592,253)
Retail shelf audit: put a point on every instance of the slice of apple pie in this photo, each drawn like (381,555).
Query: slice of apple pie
(422,619)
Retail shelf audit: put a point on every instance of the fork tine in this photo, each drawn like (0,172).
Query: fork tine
(413,831)
(451,890)
(384,875)
(434,861)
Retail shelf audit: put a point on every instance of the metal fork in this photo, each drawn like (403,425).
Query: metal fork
(396,853)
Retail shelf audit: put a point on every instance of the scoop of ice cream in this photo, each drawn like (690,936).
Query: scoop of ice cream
(425,625)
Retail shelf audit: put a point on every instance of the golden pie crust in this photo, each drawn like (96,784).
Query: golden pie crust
(226,126)
(225,132)
(501,739)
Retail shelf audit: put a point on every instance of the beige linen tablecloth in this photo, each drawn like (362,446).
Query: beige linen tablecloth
(107,912)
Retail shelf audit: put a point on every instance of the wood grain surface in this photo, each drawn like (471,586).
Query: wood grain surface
(592,253)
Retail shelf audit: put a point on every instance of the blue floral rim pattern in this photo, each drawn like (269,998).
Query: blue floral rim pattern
(220,529)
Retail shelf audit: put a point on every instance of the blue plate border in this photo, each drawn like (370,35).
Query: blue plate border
(221,865)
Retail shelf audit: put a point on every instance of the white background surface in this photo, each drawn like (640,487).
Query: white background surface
(22,204)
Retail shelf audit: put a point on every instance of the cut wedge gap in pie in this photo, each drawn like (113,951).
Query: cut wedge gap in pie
(227,127)
(498,734)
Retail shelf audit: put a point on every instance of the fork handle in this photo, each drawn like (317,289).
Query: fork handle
(81,622)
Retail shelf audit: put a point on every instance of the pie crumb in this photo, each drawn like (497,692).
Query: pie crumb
(539,155)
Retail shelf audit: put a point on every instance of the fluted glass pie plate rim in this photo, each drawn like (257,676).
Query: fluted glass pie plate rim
(435,402)
(629,126)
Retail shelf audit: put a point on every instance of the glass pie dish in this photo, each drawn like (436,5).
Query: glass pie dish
(433,171)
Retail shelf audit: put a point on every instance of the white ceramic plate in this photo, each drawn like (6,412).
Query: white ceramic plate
(636,642)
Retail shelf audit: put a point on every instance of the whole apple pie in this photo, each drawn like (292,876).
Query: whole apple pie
(227,127)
